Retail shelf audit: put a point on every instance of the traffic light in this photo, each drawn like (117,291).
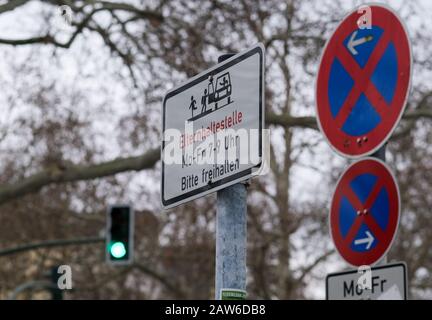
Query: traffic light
(119,235)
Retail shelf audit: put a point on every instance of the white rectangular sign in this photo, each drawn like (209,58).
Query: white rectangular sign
(387,282)
(213,129)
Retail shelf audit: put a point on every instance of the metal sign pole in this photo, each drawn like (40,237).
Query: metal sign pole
(231,239)
(381,153)
(230,235)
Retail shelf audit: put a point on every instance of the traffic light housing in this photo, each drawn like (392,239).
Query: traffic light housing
(119,235)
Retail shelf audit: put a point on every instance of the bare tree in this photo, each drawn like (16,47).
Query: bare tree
(59,170)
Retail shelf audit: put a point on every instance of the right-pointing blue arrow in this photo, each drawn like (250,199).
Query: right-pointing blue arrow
(369,240)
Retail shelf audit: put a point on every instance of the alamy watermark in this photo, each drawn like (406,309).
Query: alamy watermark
(364,282)
(365,21)
(63,18)
(64,281)
(216,145)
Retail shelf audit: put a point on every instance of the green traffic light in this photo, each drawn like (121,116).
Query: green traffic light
(118,250)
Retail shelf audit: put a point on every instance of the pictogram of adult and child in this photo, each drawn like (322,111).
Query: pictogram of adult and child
(214,96)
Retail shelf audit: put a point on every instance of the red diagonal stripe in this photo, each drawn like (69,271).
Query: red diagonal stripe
(353,230)
(373,194)
(357,205)
(348,62)
(352,198)
(374,227)
(348,105)
(368,218)
(361,79)
(376,100)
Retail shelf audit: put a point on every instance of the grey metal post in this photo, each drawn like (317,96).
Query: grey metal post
(381,154)
(230,235)
(231,239)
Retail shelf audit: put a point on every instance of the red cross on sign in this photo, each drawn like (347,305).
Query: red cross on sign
(363,82)
(365,211)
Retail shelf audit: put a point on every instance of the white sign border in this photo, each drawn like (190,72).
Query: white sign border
(399,208)
(407,94)
(386,266)
(239,176)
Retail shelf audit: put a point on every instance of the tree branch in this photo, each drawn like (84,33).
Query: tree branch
(171,287)
(50,243)
(130,8)
(311,122)
(290,121)
(60,174)
(104,5)
(11,5)
(47,39)
(310,267)
(419,113)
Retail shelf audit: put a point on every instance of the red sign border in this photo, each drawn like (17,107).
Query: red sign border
(408,88)
(359,258)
